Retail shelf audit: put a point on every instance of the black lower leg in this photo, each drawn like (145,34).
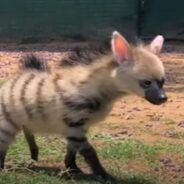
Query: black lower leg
(2,159)
(90,155)
(70,160)
(32,144)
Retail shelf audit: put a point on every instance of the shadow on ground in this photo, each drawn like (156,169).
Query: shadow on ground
(63,175)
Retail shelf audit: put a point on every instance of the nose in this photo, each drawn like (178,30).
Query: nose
(163,98)
(156,96)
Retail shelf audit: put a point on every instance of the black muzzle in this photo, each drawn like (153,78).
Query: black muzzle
(155,95)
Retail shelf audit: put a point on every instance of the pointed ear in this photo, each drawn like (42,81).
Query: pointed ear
(120,47)
(157,44)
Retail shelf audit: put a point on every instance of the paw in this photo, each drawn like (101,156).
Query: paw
(34,154)
(71,173)
(102,176)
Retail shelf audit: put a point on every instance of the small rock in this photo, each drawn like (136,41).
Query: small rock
(136,109)
(166,161)
(156,169)
(129,117)
(177,169)
(174,176)
(181,124)
(170,133)
(148,125)
(123,132)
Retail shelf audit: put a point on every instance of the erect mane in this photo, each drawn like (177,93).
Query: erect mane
(85,56)
(32,62)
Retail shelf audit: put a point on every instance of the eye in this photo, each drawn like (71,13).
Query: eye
(146,83)
(160,82)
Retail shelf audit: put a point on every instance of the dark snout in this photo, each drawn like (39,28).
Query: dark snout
(155,95)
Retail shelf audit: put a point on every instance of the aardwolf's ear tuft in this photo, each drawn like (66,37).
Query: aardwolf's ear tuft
(120,47)
(157,44)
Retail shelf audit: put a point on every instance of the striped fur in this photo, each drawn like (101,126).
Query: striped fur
(69,100)
(27,82)
(32,62)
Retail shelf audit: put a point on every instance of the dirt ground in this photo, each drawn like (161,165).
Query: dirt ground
(131,117)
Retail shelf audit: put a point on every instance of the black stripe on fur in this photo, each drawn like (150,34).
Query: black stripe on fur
(32,62)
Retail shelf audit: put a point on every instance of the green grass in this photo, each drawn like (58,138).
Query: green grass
(128,149)
(27,178)
(115,154)
(132,149)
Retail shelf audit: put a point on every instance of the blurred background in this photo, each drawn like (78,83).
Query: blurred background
(38,20)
